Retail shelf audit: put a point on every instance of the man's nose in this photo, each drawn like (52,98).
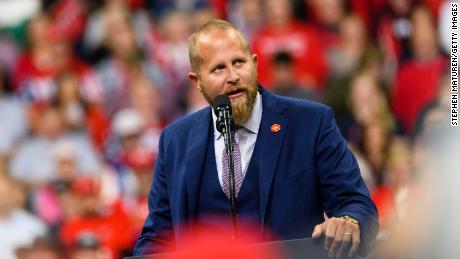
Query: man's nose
(233,76)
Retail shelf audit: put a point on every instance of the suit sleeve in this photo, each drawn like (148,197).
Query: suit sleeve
(157,234)
(342,187)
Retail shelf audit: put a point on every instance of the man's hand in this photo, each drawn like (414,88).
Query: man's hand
(340,233)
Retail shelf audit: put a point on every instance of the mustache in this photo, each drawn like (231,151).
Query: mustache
(236,89)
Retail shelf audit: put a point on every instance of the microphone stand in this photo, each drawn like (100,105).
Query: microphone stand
(231,173)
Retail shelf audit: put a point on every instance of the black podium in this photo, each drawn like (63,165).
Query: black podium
(306,248)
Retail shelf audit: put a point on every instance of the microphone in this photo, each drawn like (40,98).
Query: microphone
(223,111)
(224,124)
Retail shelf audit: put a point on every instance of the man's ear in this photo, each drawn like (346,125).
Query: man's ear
(193,77)
(255,59)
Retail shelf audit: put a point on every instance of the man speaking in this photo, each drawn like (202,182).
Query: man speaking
(295,176)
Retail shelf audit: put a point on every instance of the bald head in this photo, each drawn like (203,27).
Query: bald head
(200,34)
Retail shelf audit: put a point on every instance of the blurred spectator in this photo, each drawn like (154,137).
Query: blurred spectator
(94,41)
(374,63)
(54,201)
(137,142)
(43,248)
(368,102)
(146,100)
(159,8)
(326,18)
(371,121)
(437,110)
(351,55)
(128,149)
(87,246)
(110,225)
(79,115)
(417,80)
(126,64)
(352,43)
(284,82)
(128,126)
(169,49)
(13,118)
(376,137)
(136,204)
(203,13)
(391,198)
(395,29)
(70,103)
(247,16)
(49,55)
(35,66)
(282,33)
(18,227)
(33,163)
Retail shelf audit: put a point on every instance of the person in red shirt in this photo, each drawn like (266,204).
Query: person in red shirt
(50,54)
(282,33)
(416,82)
(111,226)
(325,17)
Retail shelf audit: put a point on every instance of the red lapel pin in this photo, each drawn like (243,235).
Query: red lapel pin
(276,128)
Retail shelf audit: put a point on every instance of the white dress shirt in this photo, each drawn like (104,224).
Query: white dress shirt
(246,138)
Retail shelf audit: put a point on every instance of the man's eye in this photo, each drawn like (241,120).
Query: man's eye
(218,69)
(238,62)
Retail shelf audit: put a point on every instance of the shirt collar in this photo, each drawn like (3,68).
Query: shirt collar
(252,125)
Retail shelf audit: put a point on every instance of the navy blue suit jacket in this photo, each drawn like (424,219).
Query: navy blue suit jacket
(305,169)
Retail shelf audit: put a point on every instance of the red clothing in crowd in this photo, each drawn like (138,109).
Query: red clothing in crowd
(113,229)
(26,69)
(297,39)
(29,72)
(69,19)
(393,204)
(385,203)
(416,84)
(434,6)
(138,211)
(98,125)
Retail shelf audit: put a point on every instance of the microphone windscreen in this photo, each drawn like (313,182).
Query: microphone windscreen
(222,101)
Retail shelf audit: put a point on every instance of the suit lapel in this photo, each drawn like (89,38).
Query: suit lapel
(195,157)
(271,143)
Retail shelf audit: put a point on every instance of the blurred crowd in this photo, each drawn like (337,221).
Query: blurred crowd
(86,87)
